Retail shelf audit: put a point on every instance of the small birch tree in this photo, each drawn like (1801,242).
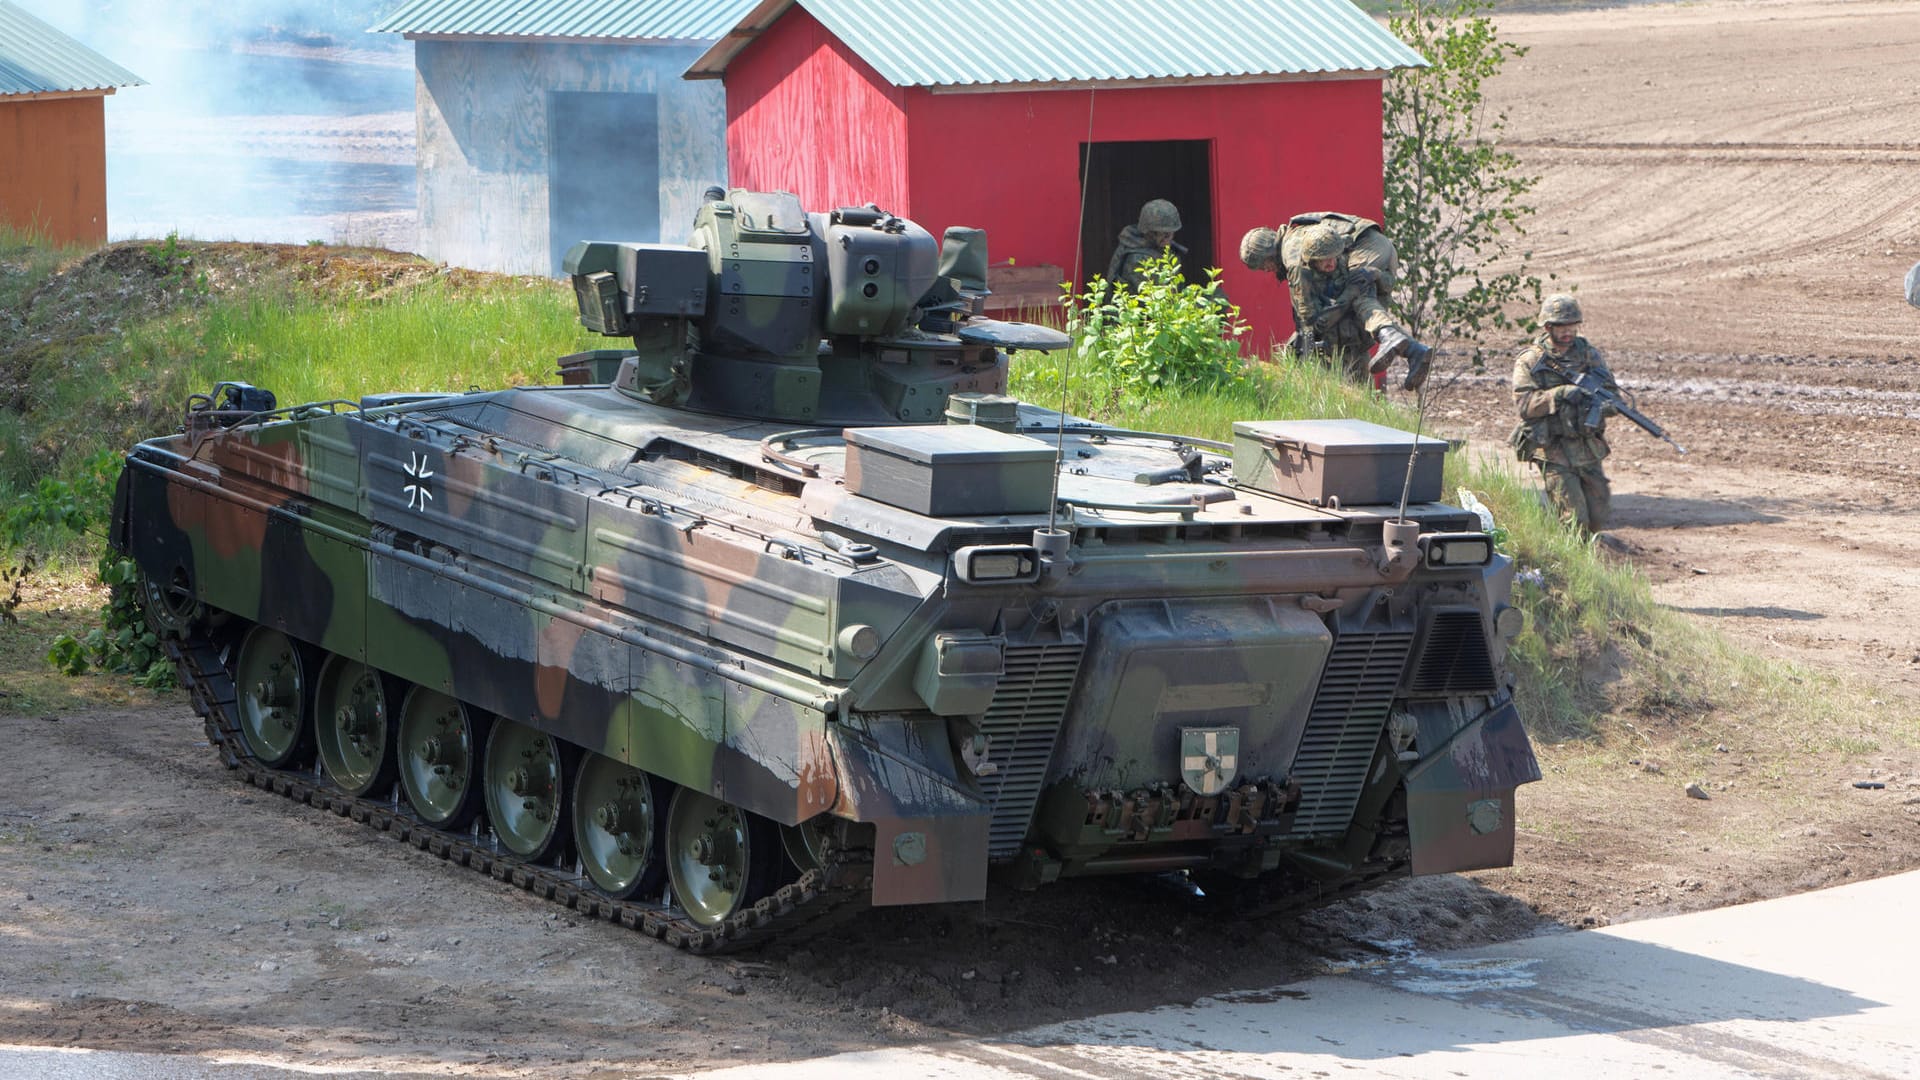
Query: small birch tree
(1455,201)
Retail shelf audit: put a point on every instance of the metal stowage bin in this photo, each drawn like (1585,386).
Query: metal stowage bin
(1353,462)
(960,470)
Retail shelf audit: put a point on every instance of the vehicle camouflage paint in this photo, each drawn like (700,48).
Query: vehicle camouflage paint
(787,609)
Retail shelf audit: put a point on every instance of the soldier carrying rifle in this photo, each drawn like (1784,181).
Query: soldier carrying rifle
(1565,394)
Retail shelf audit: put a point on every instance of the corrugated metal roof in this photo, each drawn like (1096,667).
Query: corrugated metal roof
(986,42)
(37,59)
(699,20)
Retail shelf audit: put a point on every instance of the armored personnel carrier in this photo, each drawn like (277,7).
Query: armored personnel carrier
(784,608)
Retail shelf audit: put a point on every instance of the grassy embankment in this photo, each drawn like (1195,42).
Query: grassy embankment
(96,353)
(99,350)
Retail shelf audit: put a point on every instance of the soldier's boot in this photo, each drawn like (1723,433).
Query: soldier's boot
(1393,342)
(1419,363)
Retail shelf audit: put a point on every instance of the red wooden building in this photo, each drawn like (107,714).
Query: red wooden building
(53,141)
(1049,122)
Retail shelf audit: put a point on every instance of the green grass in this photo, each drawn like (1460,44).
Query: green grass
(27,259)
(103,395)
(1278,390)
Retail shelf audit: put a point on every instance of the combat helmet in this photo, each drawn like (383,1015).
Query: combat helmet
(1259,248)
(1559,309)
(1159,215)
(1322,241)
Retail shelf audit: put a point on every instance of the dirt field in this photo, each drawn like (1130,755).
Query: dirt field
(1725,184)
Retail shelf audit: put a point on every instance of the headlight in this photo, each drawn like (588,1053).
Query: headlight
(997,563)
(1447,550)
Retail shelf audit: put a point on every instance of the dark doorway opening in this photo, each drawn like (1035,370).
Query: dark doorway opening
(1117,178)
(603,176)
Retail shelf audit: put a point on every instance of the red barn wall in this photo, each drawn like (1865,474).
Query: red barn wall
(53,167)
(804,114)
(1008,162)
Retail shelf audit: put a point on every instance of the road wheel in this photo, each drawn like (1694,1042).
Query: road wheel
(721,858)
(270,690)
(438,751)
(352,726)
(526,791)
(617,827)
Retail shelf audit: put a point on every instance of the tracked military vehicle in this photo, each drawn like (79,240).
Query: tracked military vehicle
(784,607)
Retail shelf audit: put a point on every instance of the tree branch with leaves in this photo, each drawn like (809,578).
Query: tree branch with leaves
(1455,201)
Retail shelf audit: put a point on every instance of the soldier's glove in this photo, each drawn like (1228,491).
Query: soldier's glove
(1569,396)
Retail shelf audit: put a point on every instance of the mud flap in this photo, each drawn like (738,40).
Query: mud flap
(930,834)
(1460,798)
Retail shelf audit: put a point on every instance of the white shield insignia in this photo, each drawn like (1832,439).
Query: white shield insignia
(1209,758)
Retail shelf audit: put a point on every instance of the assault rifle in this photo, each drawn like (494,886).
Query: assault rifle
(1600,399)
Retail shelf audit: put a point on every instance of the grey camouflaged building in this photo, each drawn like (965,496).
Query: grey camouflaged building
(548,122)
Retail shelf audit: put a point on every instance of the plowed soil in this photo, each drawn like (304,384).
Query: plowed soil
(1731,188)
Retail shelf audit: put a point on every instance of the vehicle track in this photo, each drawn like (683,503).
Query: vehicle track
(790,909)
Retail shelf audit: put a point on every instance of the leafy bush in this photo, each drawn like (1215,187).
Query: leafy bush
(122,642)
(59,511)
(1166,334)
(174,263)
(61,508)
(12,578)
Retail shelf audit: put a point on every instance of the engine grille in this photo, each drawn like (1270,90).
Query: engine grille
(1021,726)
(1343,730)
(1453,656)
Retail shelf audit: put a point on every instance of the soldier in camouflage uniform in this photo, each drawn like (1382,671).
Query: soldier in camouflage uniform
(1337,267)
(1553,433)
(1151,238)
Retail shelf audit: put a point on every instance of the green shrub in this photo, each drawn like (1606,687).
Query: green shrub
(122,642)
(1166,334)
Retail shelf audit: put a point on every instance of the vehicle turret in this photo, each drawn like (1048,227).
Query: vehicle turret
(842,318)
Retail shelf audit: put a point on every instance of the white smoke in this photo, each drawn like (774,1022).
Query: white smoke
(278,120)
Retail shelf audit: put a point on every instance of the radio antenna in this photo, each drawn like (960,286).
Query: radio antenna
(1413,454)
(1073,288)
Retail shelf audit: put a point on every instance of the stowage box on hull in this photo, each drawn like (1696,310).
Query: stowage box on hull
(950,470)
(1352,461)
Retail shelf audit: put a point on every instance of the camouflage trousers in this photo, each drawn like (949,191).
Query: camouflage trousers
(1579,492)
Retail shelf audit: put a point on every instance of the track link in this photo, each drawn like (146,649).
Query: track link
(793,911)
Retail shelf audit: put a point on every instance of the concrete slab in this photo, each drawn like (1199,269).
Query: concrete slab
(1816,985)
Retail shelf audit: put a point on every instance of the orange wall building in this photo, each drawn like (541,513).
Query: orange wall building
(53,138)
